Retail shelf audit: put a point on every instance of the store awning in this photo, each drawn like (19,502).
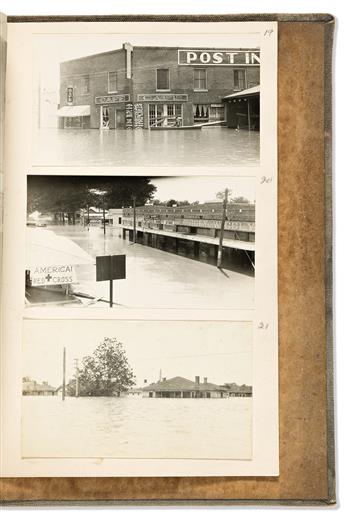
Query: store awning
(255,90)
(74,111)
(44,247)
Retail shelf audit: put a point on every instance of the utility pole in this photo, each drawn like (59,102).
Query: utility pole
(103,214)
(64,374)
(134,220)
(76,377)
(221,234)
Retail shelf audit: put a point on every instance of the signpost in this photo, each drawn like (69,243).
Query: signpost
(110,268)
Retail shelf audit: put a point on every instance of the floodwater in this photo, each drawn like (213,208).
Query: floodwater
(155,278)
(213,147)
(136,427)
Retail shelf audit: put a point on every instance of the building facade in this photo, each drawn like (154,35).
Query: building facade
(148,87)
(194,231)
(179,387)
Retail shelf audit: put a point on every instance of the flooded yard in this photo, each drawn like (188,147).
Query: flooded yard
(213,147)
(136,427)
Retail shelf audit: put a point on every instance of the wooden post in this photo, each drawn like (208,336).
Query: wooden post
(221,234)
(64,374)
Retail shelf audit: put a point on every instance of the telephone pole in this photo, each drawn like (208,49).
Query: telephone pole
(64,374)
(134,220)
(221,234)
(76,366)
(103,213)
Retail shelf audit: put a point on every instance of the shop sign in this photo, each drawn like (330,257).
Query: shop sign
(52,275)
(219,57)
(162,97)
(70,95)
(112,99)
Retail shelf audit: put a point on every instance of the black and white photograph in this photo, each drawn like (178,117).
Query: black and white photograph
(193,100)
(115,391)
(140,242)
(140,257)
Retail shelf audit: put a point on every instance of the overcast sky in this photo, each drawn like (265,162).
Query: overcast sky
(202,188)
(220,351)
(51,49)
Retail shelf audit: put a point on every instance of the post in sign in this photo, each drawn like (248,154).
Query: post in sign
(110,268)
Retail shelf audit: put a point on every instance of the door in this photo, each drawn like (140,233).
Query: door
(119,119)
(105,120)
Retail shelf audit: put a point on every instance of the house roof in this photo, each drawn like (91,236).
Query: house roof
(255,90)
(179,383)
(29,386)
(241,389)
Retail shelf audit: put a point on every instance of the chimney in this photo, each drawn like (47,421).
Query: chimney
(205,380)
(145,381)
(164,379)
(197,379)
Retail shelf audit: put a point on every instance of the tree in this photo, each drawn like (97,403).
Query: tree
(171,203)
(69,194)
(240,199)
(105,373)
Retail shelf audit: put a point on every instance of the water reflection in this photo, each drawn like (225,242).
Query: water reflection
(157,279)
(207,147)
(136,427)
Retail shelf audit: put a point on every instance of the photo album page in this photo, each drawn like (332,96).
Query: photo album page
(140,250)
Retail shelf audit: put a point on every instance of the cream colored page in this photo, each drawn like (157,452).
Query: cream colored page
(258,454)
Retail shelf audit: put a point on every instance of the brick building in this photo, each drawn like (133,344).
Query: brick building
(194,231)
(143,87)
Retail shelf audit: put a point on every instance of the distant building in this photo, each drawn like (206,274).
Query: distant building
(152,86)
(32,388)
(234,390)
(93,216)
(179,387)
(115,217)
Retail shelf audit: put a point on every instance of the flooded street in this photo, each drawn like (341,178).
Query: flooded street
(155,278)
(219,147)
(136,427)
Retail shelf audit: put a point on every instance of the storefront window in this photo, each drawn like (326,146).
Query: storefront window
(201,112)
(112,82)
(165,114)
(200,82)
(163,79)
(217,112)
(239,79)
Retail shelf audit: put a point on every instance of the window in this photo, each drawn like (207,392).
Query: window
(165,114)
(200,79)
(239,79)
(85,85)
(217,112)
(163,79)
(201,112)
(112,82)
